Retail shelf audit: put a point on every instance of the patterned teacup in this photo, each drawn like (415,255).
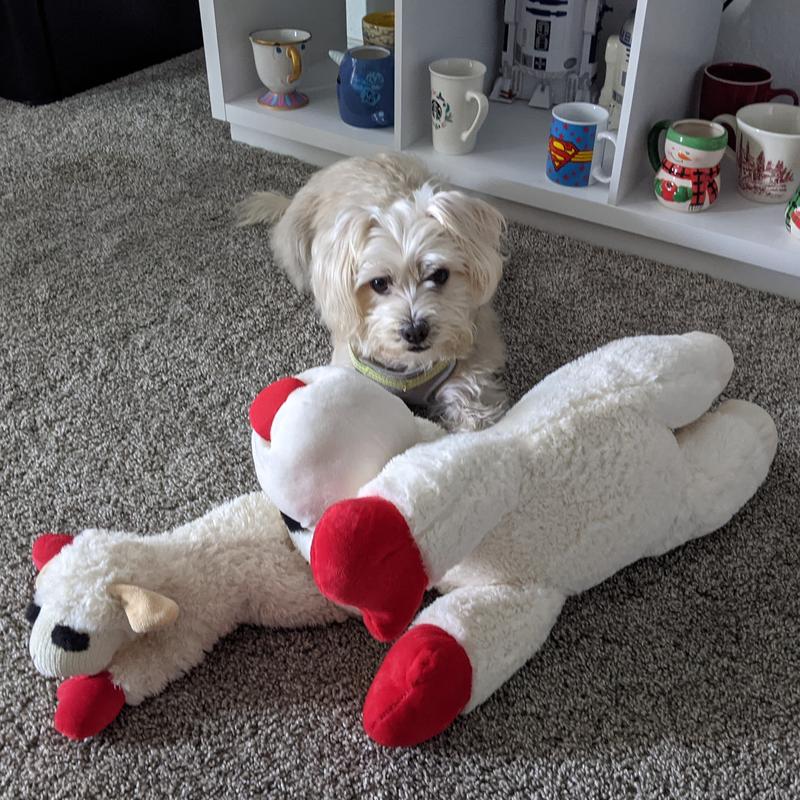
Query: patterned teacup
(279,64)
(767,145)
(687,177)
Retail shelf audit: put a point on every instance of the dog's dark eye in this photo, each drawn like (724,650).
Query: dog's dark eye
(440,276)
(380,285)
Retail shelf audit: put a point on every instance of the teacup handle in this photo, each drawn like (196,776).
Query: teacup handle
(730,122)
(480,117)
(297,66)
(788,92)
(652,142)
(597,168)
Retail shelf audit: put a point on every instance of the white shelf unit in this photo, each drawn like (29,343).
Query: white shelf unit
(508,162)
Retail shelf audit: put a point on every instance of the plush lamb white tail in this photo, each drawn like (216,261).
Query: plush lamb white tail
(261,207)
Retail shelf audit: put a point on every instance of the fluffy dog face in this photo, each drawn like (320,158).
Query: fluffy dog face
(403,284)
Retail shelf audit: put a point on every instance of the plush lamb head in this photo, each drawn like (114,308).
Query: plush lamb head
(609,459)
(320,436)
(78,627)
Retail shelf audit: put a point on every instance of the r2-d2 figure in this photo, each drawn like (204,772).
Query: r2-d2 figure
(549,51)
(618,54)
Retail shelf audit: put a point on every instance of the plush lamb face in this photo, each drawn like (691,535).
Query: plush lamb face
(81,616)
(319,437)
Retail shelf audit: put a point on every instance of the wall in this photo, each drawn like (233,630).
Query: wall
(764,32)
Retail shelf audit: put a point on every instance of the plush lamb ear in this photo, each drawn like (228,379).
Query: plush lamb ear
(146,611)
(267,404)
(477,229)
(47,546)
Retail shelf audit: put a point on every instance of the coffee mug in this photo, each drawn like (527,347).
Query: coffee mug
(574,149)
(767,150)
(378,28)
(365,86)
(687,178)
(728,86)
(793,215)
(279,66)
(458,105)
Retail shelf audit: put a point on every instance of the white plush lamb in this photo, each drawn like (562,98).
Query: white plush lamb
(582,477)
(121,615)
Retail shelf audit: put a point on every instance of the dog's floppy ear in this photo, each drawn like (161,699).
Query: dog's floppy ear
(477,229)
(146,610)
(335,264)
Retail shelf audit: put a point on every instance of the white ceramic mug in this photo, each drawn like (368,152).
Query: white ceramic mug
(279,64)
(767,150)
(458,105)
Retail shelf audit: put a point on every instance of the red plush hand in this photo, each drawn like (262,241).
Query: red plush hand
(363,555)
(87,704)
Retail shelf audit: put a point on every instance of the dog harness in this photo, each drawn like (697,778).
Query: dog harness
(413,388)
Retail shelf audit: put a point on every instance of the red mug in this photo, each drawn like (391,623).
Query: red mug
(729,86)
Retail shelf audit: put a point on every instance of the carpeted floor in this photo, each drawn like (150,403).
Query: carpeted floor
(137,323)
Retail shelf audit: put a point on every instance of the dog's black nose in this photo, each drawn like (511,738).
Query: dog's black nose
(69,639)
(415,332)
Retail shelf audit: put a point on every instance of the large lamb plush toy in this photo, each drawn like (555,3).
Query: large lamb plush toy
(582,477)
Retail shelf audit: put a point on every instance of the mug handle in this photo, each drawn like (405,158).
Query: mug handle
(652,142)
(297,66)
(480,117)
(729,121)
(597,169)
(788,92)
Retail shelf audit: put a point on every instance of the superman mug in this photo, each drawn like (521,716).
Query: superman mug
(576,144)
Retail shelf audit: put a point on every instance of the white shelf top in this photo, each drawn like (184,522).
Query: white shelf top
(509,162)
(317,124)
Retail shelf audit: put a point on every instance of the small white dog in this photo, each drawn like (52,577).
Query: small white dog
(403,272)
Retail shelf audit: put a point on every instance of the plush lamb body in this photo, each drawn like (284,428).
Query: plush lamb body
(582,477)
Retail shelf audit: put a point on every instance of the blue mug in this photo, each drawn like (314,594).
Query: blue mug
(365,86)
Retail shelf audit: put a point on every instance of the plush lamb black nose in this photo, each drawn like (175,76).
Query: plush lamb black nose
(69,639)
(32,612)
(415,332)
(292,524)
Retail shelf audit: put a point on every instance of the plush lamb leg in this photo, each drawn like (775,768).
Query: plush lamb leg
(86,705)
(671,379)
(728,453)
(426,511)
(460,650)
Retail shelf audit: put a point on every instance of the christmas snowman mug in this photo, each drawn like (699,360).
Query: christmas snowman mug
(687,177)
(767,150)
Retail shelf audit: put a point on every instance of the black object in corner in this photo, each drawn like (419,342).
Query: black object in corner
(50,49)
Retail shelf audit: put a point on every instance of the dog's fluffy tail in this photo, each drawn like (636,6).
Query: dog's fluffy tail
(261,207)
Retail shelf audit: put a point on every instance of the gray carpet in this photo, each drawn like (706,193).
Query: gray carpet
(137,324)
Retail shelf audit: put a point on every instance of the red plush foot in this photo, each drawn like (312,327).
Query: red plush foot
(47,545)
(423,684)
(87,704)
(363,555)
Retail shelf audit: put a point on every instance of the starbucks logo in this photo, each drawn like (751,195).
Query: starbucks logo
(441,113)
